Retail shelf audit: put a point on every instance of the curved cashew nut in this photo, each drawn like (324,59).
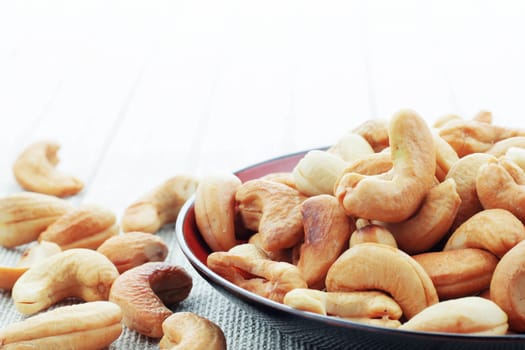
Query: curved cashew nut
(144,291)
(215,212)
(351,146)
(414,159)
(34,170)
(326,230)
(458,273)
(286,255)
(24,216)
(256,273)
(186,330)
(375,132)
(273,210)
(160,206)
(501,147)
(468,315)
(87,226)
(373,266)
(317,172)
(370,232)
(506,287)
(81,273)
(140,248)
(446,156)
(431,222)
(372,164)
(495,230)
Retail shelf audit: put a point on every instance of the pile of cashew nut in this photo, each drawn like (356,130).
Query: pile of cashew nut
(114,275)
(399,224)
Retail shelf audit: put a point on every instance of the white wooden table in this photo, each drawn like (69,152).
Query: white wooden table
(138,91)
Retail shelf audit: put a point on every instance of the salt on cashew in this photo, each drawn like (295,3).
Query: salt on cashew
(495,230)
(375,132)
(186,330)
(371,232)
(351,146)
(160,206)
(506,286)
(144,292)
(467,315)
(86,226)
(255,272)
(458,273)
(86,326)
(81,273)
(501,147)
(35,170)
(373,266)
(431,222)
(133,249)
(326,232)
(23,216)
(215,210)
(273,210)
(317,172)
(414,163)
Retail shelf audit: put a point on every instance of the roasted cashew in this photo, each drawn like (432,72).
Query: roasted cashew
(80,273)
(501,147)
(144,291)
(215,210)
(468,315)
(372,164)
(375,132)
(160,206)
(351,146)
(260,275)
(431,222)
(373,266)
(458,273)
(35,171)
(495,230)
(506,287)
(186,330)
(86,226)
(87,326)
(370,232)
(414,158)
(273,210)
(326,232)
(133,249)
(286,255)
(24,216)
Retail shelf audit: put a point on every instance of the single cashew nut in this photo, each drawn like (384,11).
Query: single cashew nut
(501,147)
(506,286)
(215,210)
(80,273)
(395,199)
(373,266)
(286,255)
(370,232)
(186,330)
(35,171)
(87,226)
(326,232)
(24,216)
(273,210)
(468,315)
(446,156)
(372,164)
(516,155)
(144,292)
(431,222)
(133,249)
(375,132)
(495,230)
(87,326)
(458,273)
(350,147)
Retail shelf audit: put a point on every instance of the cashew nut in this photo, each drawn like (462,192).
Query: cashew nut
(431,222)
(495,230)
(375,132)
(160,206)
(501,147)
(186,330)
(516,155)
(24,216)
(396,199)
(215,212)
(458,273)
(80,273)
(372,164)
(370,232)
(326,232)
(133,249)
(144,291)
(446,156)
(373,266)
(87,226)
(467,315)
(286,255)
(34,170)
(87,326)
(273,210)
(351,146)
